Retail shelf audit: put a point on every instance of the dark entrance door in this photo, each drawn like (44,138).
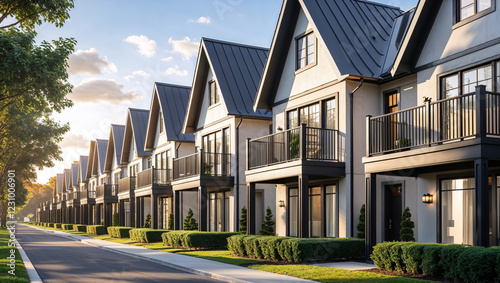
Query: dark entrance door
(393,211)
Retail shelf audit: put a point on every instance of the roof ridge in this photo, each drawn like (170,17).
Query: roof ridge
(234,43)
(173,85)
(379,4)
(137,109)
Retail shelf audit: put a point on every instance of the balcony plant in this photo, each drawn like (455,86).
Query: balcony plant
(402,143)
(294,145)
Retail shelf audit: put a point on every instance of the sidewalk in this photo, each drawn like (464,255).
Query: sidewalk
(208,268)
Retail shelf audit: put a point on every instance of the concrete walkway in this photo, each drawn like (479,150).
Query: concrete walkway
(208,268)
(350,265)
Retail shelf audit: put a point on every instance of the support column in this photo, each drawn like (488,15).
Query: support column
(482,202)
(370,214)
(132,211)
(106,211)
(154,211)
(202,208)
(137,212)
(251,208)
(177,209)
(121,212)
(303,206)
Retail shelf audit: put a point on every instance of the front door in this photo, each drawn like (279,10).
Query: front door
(393,211)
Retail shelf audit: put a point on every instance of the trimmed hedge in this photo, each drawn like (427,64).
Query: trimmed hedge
(57,225)
(119,232)
(294,249)
(454,262)
(67,226)
(146,235)
(96,229)
(80,228)
(51,225)
(197,240)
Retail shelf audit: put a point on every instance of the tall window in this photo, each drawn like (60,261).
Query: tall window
(293,212)
(468,8)
(331,211)
(216,147)
(330,114)
(316,115)
(305,50)
(162,126)
(214,95)
(219,211)
(315,212)
(457,210)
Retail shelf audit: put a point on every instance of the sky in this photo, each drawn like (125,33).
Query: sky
(124,46)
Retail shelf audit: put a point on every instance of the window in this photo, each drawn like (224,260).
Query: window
(293,210)
(331,211)
(162,126)
(330,114)
(214,95)
(313,117)
(468,8)
(164,212)
(216,150)
(305,50)
(457,210)
(218,211)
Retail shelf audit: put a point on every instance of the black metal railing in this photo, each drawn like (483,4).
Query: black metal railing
(126,185)
(162,177)
(202,163)
(91,194)
(447,120)
(106,190)
(144,178)
(294,144)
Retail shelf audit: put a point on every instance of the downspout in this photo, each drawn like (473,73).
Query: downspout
(177,150)
(351,153)
(237,177)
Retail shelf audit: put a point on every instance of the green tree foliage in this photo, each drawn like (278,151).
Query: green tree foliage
(243,221)
(30,13)
(116,219)
(267,227)
(406,232)
(170,223)
(361,223)
(37,193)
(147,224)
(189,222)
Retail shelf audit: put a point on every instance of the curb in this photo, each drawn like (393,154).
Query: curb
(32,273)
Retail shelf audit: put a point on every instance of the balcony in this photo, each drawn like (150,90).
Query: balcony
(106,193)
(203,167)
(126,185)
(153,177)
(299,151)
(74,198)
(87,197)
(452,130)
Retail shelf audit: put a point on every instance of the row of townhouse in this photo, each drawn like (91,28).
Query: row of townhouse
(354,103)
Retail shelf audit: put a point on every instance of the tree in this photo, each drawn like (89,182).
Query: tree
(267,227)
(116,219)
(406,232)
(28,14)
(147,224)
(170,223)
(361,224)
(189,222)
(37,193)
(243,221)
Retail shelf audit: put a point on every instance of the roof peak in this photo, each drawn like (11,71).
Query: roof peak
(379,4)
(234,43)
(137,109)
(173,85)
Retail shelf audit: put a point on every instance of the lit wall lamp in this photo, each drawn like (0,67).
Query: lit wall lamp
(282,203)
(427,198)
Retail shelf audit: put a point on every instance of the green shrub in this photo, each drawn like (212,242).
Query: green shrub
(96,229)
(206,240)
(190,223)
(412,257)
(396,253)
(251,245)
(270,247)
(67,226)
(147,223)
(57,225)
(80,228)
(449,260)
(431,259)
(235,245)
(328,249)
(146,235)
(119,232)
(116,219)
(170,224)
(361,223)
(381,256)
(478,264)
(267,226)
(406,233)
(243,221)
(173,238)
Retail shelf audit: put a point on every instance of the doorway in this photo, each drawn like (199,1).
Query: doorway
(393,210)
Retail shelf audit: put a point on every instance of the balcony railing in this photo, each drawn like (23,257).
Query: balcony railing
(126,185)
(74,195)
(106,190)
(162,177)
(202,163)
(453,119)
(294,144)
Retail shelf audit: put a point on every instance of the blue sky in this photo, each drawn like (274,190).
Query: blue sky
(124,46)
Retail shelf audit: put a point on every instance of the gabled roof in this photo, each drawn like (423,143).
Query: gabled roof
(74,174)
(91,163)
(102,147)
(137,122)
(172,101)
(114,149)
(59,184)
(67,180)
(82,169)
(237,68)
(424,16)
(356,33)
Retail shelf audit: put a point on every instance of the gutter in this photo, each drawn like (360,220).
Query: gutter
(237,177)
(351,153)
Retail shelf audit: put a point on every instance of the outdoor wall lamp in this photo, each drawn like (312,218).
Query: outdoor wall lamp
(427,198)
(282,203)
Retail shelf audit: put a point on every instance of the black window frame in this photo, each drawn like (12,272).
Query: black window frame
(307,48)
(322,113)
(495,78)
(162,126)
(214,96)
(458,21)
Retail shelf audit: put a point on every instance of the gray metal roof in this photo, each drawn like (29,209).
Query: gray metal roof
(118,133)
(237,69)
(139,118)
(59,183)
(83,168)
(102,147)
(67,178)
(174,101)
(74,174)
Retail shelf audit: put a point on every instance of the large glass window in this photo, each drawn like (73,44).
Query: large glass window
(331,211)
(313,117)
(293,212)
(310,115)
(216,147)
(457,210)
(330,114)
(305,50)
(315,212)
(162,126)
(219,211)
(468,8)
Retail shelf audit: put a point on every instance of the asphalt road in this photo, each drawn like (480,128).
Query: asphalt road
(57,259)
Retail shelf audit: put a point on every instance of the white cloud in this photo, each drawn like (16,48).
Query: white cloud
(176,71)
(74,141)
(139,73)
(186,47)
(167,59)
(146,46)
(102,90)
(89,62)
(202,20)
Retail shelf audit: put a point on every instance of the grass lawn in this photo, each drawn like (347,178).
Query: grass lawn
(20,272)
(221,256)
(329,274)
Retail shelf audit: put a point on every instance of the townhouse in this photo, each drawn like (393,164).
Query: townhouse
(86,200)
(165,140)
(211,182)
(97,180)
(74,195)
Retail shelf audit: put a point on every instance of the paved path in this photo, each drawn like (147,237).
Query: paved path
(59,259)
